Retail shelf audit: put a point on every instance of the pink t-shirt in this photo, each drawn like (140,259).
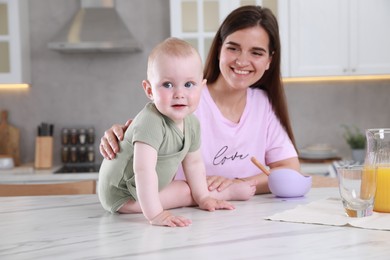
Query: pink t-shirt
(227,147)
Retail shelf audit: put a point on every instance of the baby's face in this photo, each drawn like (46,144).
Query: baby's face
(176,85)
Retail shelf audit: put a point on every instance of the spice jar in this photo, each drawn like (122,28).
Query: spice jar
(82,136)
(73,154)
(82,154)
(73,136)
(91,135)
(65,154)
(65,136)
(91,154)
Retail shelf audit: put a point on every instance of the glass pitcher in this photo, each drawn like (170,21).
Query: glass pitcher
(378,159)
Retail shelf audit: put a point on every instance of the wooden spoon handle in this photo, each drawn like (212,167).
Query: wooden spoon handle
(260,166)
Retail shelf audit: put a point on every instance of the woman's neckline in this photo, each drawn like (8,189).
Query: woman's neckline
(233,109)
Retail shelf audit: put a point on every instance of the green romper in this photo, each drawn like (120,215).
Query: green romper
(116,183)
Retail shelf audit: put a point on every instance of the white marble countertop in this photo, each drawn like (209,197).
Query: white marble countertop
(76,227)
(28,174)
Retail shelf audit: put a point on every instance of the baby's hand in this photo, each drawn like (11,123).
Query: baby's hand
(212,204)
(165,218)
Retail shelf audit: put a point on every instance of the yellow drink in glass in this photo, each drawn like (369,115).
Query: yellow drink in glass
(382,196)
(368,185)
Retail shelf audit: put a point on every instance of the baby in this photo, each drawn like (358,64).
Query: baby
(163,135)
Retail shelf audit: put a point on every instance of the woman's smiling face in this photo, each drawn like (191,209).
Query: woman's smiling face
(244,57)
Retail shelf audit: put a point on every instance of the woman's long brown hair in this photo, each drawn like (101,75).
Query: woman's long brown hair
(271,82)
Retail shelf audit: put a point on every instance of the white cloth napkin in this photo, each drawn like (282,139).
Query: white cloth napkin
(331,212)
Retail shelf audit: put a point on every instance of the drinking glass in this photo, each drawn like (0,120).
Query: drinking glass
(357,186)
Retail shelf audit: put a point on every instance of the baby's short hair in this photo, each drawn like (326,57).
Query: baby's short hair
(172,46)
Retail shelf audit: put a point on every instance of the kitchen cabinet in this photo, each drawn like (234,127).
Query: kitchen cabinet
(338,37)
(63,188)
(197,21)
(318,38)
(14,42)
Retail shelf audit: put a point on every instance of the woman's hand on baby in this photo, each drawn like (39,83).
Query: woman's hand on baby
(109,143)
(212,204)
(218,183)
(165,218)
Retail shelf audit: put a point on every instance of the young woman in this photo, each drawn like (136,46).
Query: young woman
(243,111)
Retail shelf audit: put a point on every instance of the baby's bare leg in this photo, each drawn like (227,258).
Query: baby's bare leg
(177,194)
(130,207)
(240,190)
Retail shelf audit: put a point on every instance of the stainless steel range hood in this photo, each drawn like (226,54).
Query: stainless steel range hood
(96,27)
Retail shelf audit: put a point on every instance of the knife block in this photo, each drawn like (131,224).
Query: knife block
(43,152)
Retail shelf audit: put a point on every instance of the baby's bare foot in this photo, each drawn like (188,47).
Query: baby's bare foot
(243,190)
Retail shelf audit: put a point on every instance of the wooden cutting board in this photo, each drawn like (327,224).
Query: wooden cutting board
(9,138)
